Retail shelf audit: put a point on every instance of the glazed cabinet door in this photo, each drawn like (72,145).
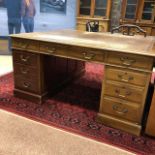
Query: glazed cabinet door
(129,10)
(148,11)
(94,8)
(85,7)
(100,8)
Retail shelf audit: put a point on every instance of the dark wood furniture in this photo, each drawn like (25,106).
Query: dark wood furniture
(150,125)
(90,10)
(128,29)
(43,62)
(139,12)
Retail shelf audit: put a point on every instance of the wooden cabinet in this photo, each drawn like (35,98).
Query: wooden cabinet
(150,125)
(139,12)
(90,10)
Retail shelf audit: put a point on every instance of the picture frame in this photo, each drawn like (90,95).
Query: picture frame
(53,6)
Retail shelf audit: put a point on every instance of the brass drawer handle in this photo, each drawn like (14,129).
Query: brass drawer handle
(23,45)
(24,70)
(48,49)
(124,92)
(120,110)
(24,58)
(129,78)
(26,85)
(88,56)
(127,61)
(51,50)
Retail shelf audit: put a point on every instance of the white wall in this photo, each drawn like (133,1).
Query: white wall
(45,21)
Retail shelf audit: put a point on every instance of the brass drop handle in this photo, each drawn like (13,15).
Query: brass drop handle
(125,94)
(24,70)
(88,56)
(127,61)
(119,109)
(24,58)
(129,78)
(26,85)
(23,45)
(50,50)
(121,95)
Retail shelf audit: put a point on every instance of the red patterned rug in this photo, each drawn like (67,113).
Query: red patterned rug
(74,109)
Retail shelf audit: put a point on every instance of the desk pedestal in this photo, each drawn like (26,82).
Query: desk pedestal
(36,76)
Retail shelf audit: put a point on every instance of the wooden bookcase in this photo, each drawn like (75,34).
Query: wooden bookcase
(91,10)
(139,12)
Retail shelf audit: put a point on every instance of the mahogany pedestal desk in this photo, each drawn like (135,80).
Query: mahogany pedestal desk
(44,62)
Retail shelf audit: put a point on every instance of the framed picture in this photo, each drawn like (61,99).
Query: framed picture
(53,6)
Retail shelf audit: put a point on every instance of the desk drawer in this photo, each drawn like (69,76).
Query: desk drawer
(87,54)
(25,71)
(31,85)
(25,58)
(48,48)
(128,60)
(25,44)
(127,76)
(122,109)
(124,91)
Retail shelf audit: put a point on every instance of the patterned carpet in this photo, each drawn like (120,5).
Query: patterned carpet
(74,109)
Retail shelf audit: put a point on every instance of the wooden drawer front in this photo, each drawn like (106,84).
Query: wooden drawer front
(73,52)
(25,44)
(124,91)
(122,109)
(31,85)
(48,48)
(128,60)
(82,54)
(25,58)
(137,78)
(25,71)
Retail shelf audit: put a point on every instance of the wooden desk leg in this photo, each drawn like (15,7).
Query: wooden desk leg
(150,125)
